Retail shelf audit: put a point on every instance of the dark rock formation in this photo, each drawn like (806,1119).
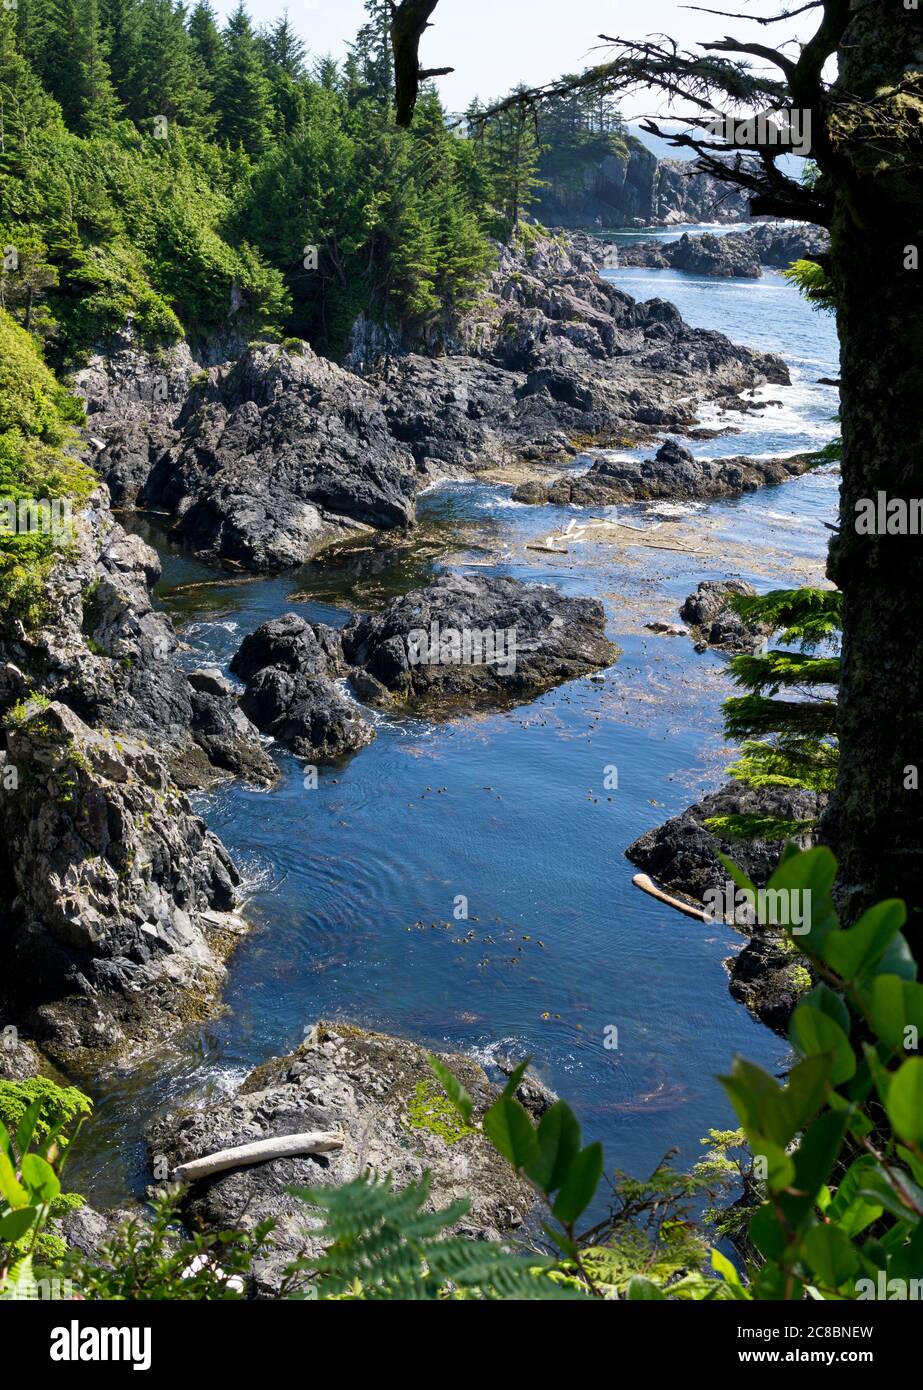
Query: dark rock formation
(554,355)
(122,905)
(277,454)
(374,1090)
(779,243)
(709,612)
(766,975)
(673,474)
(290,669)
(733,253)
(258,461)
(118,906)
(469,641)
(769,979)
(262,461)
(729,256)
(104,651)
(627,185)
(680,854)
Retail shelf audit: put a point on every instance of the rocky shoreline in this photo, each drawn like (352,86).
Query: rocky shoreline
(682,856)
(673,475)
(120,906)
(731,255)
(264,458)
(380,1094)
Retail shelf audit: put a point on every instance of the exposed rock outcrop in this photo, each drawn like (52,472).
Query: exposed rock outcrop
(674,474)
(121,904)
(626,184)
(103,650)
(556,356)
(716,624)
(262,461)
(118,906)
(291,669)
(375,1090)
(681,855)
(779,243)
(469,641)
(729,256)
(769,979)
(277,454)
(732,254)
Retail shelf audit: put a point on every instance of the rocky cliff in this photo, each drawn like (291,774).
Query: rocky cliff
(118,906)
(629,186)
(261,460)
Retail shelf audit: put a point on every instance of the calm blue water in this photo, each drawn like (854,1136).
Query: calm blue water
(352,885)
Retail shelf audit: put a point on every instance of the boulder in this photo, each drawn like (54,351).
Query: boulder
(378,1092)
(292,693)
(471,640)
(681,854)
(709,612)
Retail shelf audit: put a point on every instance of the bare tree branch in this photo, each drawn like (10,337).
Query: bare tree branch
(757,19)
(409,22)
(755,50)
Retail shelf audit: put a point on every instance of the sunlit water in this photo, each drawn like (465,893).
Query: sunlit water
(352,885)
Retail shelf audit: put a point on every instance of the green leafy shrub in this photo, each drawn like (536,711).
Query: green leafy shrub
(38,1120)
(37,463)
(151,1258)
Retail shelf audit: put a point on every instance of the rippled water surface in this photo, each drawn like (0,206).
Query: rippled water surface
(352,884)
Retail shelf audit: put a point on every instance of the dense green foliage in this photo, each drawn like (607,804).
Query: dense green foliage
(38,1119)
(37,419)
(788,742)
(162,172)
(150,1257)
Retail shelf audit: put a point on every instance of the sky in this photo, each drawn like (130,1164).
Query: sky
(494,44)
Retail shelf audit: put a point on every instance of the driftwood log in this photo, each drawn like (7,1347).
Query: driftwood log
(647,885)
(264,1150)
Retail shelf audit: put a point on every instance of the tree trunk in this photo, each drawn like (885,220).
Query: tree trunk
(875,824)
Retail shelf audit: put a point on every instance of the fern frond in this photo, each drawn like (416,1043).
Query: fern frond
(382,1244)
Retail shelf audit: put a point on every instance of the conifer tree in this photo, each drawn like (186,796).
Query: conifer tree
(243,94)
(788,742)
(206,41)
(511,152)
(326,73)
(167,79)
(285,48)
(24,106)
(371,54)
(71,60)
(284,56)
(121,23)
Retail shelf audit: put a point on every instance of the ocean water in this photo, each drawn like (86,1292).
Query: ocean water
(353,886)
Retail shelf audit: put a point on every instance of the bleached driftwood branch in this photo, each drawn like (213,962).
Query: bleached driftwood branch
(286,1146)
(647,885)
